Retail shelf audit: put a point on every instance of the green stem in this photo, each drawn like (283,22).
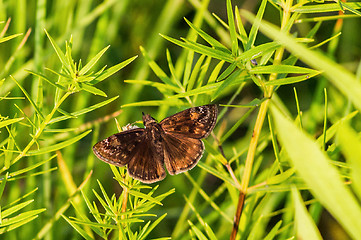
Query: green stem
(253,145)
(258,126)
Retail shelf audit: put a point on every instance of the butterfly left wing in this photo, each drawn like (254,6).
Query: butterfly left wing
(195,122)
(181,153)
(119,148)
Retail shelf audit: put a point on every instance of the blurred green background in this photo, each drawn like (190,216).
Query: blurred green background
(126,26)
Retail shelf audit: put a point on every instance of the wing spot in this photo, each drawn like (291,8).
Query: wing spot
(194,115)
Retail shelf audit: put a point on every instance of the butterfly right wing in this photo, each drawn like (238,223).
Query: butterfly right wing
(181,153)
(195,122)
(119,148)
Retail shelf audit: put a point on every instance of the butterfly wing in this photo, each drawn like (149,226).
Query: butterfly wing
(196,122)
(181,153)
(119,148)
(147,164)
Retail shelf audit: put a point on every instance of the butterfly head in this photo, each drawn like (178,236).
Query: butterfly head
(148,120)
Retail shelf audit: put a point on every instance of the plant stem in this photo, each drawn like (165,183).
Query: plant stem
(258,127)
(248,166)
(125,200)
(253,145)
(237,217)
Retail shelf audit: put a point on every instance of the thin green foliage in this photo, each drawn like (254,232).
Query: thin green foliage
(70,81)
(270,143)
(119,215)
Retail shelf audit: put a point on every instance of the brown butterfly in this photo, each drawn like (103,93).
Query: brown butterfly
(175,142)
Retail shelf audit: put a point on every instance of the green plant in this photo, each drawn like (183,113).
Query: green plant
(322,179)
(72,78)
(118,218)
(286,137)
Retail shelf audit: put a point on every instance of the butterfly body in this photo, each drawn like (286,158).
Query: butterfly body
(173,142)
(153,130)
